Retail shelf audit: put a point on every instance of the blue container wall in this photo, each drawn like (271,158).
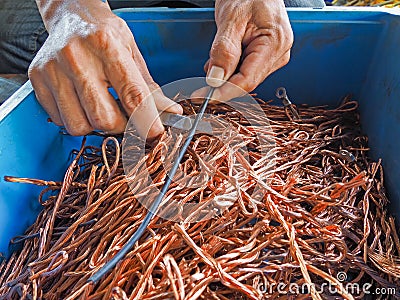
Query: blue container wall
(380,107)
(335,53)
(30,147)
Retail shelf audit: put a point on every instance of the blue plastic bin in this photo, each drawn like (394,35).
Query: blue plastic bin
(336,52)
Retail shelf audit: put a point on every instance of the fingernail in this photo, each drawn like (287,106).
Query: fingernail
(215,76)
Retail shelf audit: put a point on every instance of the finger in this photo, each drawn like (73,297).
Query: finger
(72,114)
(241,83)
(219,95)
(100,107)
(250,77)
(197,97)
(225,53)
(256,67)
(163,103)
(135,96)
(46,100)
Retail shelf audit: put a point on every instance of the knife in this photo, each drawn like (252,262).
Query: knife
(184,123)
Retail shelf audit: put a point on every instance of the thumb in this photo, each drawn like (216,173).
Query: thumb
(224,54)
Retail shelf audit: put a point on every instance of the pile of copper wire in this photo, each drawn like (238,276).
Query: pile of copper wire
(373,3)
(321,221)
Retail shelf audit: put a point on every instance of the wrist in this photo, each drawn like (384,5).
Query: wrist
(53,11)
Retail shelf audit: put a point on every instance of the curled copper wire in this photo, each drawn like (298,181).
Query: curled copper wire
(319,214)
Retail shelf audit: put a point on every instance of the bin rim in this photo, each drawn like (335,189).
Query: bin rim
(344,9)
(186,13)
(15,99)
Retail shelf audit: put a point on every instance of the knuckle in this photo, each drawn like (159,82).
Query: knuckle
(152,85)
(101,116)
(105,122)
(132,95)
(87,88)
(249,86)
(284,34)
(120,23)
(72,57)
(225,49)
(288,38)
(68,50)
(33,74)
(37,67)
(233,10)
(103,37)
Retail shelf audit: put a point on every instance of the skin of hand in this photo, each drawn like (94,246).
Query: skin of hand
(255,35)
(88,50)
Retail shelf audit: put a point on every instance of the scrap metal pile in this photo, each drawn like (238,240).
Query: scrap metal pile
(318,219)
(375,3)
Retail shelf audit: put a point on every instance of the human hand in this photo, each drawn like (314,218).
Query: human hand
(253,34)
(88,50)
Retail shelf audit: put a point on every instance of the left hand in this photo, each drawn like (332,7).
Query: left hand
(255,32)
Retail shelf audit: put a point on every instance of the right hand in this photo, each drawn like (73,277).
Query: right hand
(88,50)
(253,40)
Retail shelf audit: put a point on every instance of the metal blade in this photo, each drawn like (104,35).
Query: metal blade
(184,123)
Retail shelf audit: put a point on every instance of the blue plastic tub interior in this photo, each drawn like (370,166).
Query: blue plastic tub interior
(335,53)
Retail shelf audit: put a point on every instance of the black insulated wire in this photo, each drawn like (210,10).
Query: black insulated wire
(154,207)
